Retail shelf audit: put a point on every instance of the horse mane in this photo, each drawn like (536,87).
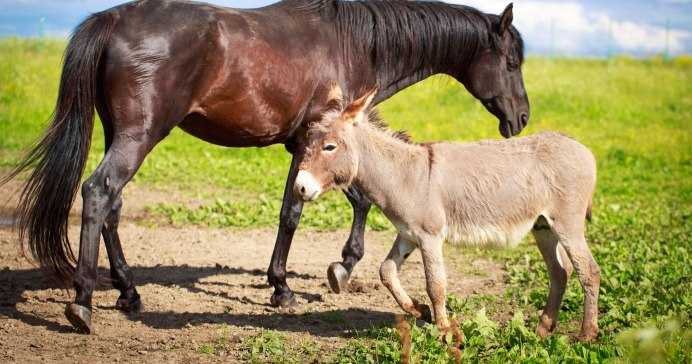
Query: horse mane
(423,33)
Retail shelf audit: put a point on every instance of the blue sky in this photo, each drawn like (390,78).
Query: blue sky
(581,27)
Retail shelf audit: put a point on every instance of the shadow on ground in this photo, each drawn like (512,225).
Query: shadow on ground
(15,284)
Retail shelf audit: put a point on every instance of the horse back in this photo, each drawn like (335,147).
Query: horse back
(230,77)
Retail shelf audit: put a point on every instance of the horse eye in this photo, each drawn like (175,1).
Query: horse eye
(512,66)
(329,147)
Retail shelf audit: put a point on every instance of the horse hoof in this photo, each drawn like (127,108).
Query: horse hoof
(79,317)
(542,331)
(285,300)
(338,277)
(132,304)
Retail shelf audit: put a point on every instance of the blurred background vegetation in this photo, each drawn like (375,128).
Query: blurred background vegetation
(634,114)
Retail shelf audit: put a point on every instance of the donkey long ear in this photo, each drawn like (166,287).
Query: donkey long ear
(505,19)
(356,110)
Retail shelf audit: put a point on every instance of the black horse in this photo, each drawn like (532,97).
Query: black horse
(236,78)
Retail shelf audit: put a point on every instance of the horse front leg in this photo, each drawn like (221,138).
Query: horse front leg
(339,273)
(291,209)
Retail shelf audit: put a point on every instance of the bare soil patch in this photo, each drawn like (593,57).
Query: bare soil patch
(199,284)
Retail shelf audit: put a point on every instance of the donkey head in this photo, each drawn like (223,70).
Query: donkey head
(494,76)
(327,152)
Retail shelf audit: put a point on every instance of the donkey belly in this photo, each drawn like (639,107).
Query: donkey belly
(488,236)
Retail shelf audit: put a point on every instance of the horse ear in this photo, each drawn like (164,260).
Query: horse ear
(505,19)
(357,109)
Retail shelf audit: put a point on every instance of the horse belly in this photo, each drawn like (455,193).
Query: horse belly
(230,132)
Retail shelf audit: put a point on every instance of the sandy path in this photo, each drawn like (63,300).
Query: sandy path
(199,284)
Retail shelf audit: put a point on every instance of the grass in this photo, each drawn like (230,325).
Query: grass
(635,115)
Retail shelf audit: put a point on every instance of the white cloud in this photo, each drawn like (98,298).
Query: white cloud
(579,31)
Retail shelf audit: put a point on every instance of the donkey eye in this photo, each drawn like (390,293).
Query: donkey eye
(329,147)
(512,66)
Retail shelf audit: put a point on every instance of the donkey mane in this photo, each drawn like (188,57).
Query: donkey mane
(373,118)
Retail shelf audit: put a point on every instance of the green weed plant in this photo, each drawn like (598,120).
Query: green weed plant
(634,114)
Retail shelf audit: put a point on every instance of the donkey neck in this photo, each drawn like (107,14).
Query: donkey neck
(388,167)
(396,44)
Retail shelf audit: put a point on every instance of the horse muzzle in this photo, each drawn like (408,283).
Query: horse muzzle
(509,128)
(306,187)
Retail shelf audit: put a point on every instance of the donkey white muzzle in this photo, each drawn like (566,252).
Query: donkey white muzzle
(306,186)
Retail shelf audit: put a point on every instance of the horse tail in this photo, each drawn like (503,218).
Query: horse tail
(58,158)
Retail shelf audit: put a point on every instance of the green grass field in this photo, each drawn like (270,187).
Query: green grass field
(635,115)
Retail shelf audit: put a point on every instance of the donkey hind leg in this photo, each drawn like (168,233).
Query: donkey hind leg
(559,271)
(588,271)
(121,275)
(338,273)
(435,279)
(389,269)
(100,192)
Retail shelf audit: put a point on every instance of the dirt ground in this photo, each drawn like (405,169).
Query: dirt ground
(199,284)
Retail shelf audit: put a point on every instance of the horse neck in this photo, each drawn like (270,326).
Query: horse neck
(401,43)
(388,167)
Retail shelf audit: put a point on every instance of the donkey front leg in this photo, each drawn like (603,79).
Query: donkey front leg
(401,250)
(338,273)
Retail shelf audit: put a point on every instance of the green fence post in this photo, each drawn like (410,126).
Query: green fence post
(666,54)
(552,39)
(610,42)
(41,26)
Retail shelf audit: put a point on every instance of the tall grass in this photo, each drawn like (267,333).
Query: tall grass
(635,115)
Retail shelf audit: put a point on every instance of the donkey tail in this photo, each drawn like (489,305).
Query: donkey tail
(58,158)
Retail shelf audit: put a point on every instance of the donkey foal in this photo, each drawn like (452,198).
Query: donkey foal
(489,193)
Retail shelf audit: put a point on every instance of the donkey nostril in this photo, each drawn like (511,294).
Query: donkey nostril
(302,190)
(524,120)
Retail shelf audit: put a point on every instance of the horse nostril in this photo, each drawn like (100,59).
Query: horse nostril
(524,120)
(302,190)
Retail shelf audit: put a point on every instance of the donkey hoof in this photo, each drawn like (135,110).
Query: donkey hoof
(425,313)
(79,317)
(587,337)
(132,304)
(284,300)
(338,277)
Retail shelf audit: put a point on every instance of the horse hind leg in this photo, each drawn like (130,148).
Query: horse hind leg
(559,271)
(100,193)
(121,274)
(338,273)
